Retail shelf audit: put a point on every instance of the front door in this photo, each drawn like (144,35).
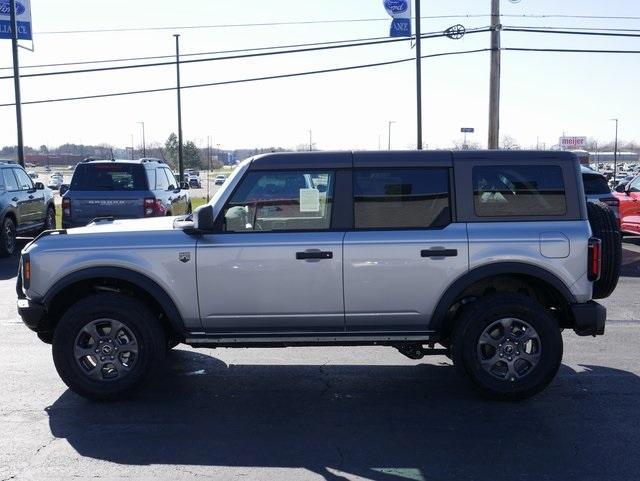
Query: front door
(275,265)
(630,207)
(33,199)
(404,250)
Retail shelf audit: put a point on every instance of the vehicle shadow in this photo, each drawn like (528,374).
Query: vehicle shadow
(382,423)
(9,265)
(630,266)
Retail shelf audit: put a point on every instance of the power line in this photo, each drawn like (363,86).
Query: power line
(567,50)
(598,29)
(253,79)
(332,21)
(235,57)
(569,32)
(193,54)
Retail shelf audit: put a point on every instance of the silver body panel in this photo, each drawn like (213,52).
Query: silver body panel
(389,286)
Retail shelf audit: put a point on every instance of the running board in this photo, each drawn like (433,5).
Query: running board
(279,340)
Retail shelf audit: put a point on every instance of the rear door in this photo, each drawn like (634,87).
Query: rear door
(405,248)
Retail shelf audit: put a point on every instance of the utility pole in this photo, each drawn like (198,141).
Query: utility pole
(180,159)
(494,81)
(418,75)
(389,138)
(16,78)
(131,146)
(209,166)
(144,142)
(310,140)
(615,152)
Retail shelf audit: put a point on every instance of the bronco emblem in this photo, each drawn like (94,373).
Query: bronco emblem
(184,256)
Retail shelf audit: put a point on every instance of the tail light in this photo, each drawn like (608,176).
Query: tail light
(66,207)
(153,207)
(595,259)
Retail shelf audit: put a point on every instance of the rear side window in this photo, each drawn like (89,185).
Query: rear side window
(162,183)
(401,198)
(10,182)
(519,191)
(109,177)
(595,184)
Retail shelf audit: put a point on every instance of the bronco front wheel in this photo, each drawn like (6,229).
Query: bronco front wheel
(105,346)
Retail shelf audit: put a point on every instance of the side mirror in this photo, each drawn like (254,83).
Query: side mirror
(203,218)
(64,188)
(39,186)
(184,185)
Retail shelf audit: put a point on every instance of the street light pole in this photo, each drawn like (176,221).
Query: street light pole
(389,138)
(180,160)
(494,80)
(144,142)
(16,78)
(615,152)
(310,140)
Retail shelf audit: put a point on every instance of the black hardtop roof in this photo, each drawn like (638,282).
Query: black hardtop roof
(91,160)
(398,158)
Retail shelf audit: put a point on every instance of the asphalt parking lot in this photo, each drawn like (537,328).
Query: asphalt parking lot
(326,413)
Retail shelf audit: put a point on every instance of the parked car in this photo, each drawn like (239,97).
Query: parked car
(194,181)
(25,208)
(489,254)
(122,189)
(220,179)
(628,196)
(597,190)
(54,183)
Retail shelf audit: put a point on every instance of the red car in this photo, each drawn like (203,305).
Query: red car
(629,197)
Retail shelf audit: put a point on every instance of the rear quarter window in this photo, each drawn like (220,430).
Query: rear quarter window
(519,191)
(109,177)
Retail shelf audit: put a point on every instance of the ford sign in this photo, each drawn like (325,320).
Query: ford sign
(5,8)
(396,7)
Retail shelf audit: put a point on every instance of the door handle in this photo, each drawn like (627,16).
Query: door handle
(439,253)
(30,197)
(314,255)
(15,199)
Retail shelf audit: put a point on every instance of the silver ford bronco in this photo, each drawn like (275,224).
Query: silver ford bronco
(484,257)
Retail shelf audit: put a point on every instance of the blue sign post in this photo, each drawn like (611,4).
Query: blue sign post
(15,24)
(23,20)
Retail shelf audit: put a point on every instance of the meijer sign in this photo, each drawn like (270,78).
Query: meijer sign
(569,142)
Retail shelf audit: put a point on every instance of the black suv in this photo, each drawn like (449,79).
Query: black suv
(25,208)
(122,189)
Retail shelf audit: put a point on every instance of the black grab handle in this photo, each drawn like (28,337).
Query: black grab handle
(314,255)
(439,253)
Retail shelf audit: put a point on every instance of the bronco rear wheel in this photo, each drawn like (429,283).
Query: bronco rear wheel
(605,227)
(507,345)
(105,346)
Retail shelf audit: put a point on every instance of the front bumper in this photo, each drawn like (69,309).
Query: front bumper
(33,314)
(590,318)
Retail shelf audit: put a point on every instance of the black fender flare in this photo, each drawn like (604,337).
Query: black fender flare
(141,281)
(501,268)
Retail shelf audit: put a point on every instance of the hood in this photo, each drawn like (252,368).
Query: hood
(127,225)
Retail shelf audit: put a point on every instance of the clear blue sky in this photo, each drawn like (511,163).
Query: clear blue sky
(543,94)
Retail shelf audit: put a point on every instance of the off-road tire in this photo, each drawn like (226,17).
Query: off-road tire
(485,312)
(149,335)
(7,237)
(604,227)
(49,220)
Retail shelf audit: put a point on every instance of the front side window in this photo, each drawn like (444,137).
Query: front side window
(519,191)
(10,182)
(402,199)
(281,201)
(172,180)
(635,185)
(24,181)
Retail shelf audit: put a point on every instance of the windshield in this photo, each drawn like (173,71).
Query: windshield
(109,177)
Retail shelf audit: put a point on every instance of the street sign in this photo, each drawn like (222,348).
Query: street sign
(23,18)
(400,11)
(467,130)
(572,142)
